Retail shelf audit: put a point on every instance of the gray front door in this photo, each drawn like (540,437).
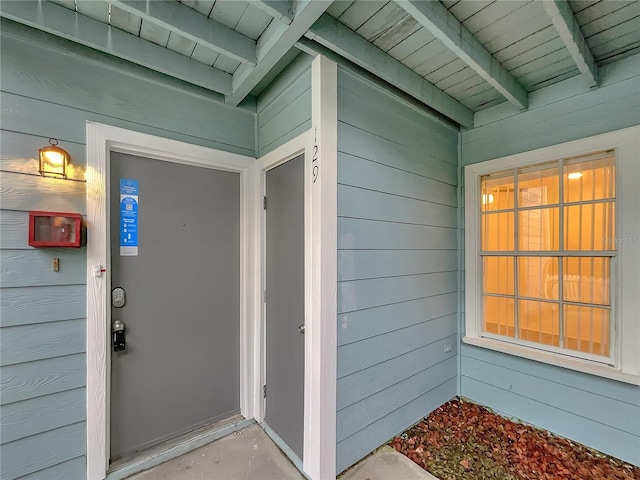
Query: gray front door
(181,366)
(285,303)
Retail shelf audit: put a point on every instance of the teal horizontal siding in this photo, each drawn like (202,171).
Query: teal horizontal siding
(368,264)
(598,412)
(371,351)
(43,377)
(50,88)
(359,172)
(363,324)
(73,469)
(30,192)
(362,414)
(369,438)
(366,234)
(29,305)
(371,148)
(369,381)
(37,452)
(88,87)
(30,268)
(40,414)
(397,266)
(365,294)
(26,343)
(284,108)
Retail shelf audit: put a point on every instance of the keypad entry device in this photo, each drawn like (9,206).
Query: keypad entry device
(118,297)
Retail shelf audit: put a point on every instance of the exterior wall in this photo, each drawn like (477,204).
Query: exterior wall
(397,262)
(284,108)
(595,411)
(50,87)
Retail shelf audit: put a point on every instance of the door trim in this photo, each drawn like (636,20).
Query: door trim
(321,347)
(101,141)
(321,271)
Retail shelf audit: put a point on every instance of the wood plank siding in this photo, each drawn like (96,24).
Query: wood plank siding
(50,88)
(588,409)
(397,280)
(284,107)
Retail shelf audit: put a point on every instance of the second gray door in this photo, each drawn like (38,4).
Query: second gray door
(285,302)
(181,366)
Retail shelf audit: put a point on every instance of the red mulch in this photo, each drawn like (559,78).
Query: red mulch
(464,441)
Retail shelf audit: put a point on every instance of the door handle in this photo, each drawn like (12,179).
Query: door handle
(119,340)
(301,329)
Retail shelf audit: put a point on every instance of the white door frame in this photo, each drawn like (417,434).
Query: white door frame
(101,140)
(319,145)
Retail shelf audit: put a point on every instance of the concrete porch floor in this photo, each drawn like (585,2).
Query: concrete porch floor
(249,454)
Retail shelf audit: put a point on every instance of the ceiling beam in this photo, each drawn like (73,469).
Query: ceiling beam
(281,10)
(193,25)
(331,34)
(570,33)
(445,26)
(63,22)
(278,40)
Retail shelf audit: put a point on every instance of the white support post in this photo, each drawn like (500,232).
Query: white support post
(321,334)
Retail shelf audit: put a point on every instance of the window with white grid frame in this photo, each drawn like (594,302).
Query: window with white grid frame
(547,253)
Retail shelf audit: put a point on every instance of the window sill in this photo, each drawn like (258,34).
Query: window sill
(557,360)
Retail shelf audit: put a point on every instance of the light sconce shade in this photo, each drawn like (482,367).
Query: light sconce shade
(53,160)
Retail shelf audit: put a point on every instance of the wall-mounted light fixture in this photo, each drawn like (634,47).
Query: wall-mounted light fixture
(53,160)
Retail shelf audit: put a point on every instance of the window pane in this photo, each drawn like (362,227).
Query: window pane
(589,180)
(538,277)
(589,227)
(498,315)
(497,231)
(586,280)
(497,275)
(538,229)
(539,322)
(538,187)
(586,329)
(496,192)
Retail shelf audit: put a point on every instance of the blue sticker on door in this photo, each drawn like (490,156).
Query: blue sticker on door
(128,217)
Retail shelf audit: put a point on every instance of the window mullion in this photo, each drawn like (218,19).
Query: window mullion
(516,248)
(561,248)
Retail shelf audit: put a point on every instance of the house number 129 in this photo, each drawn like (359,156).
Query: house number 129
(314,158)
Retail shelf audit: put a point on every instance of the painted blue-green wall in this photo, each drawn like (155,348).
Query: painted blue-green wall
(601,413)
(284,107)
(50,88)
(397,266)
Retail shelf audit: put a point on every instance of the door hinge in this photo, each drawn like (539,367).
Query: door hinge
(264,297)
(264,202)
(264,391)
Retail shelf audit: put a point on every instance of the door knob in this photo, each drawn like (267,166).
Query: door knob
(119,341)
(301,329)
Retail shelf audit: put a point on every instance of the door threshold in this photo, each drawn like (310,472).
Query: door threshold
(176,447)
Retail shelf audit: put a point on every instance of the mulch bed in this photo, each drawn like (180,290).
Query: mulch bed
(465,441)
